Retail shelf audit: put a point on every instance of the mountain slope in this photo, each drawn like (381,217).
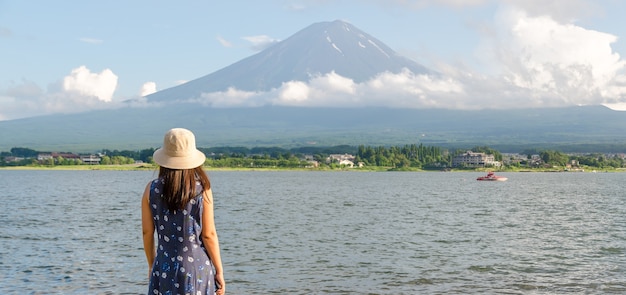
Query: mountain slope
(318,49)
(138,128)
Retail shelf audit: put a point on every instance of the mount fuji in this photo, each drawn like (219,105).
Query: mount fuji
(318,49)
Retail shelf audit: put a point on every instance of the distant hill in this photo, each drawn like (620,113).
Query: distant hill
(139,128)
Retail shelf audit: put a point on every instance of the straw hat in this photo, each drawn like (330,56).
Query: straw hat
(179,150)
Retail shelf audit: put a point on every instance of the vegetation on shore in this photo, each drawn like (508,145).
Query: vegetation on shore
(368,158)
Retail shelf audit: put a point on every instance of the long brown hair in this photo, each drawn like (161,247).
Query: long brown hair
(180,185)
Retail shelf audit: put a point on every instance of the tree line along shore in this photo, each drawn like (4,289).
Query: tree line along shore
(410,157)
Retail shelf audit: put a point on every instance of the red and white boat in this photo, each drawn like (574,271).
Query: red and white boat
(492,177)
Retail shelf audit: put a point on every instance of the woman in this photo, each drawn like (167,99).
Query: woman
(179,206)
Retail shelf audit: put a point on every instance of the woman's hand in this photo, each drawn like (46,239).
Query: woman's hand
(219,280)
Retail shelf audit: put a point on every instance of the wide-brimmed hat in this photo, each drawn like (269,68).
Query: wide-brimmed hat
(179,150)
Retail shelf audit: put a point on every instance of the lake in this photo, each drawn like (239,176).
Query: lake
(288,232)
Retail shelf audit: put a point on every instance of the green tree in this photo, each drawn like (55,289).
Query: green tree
(145,155)
(555,158)
(105,160)
(24,152)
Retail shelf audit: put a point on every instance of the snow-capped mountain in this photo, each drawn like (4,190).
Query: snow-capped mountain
(316,50)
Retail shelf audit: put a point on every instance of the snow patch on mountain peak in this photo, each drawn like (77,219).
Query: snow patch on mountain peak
(337,48)
(379,49)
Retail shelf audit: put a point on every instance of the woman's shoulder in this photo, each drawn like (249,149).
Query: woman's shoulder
(156,181)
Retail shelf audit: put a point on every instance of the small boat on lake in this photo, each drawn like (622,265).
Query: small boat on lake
(492,177)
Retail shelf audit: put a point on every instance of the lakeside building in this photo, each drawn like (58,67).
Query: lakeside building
(342,159)
(91,159)
(86,159)
(472,159)
(53,155)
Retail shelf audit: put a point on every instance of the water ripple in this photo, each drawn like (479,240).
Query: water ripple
(78,232)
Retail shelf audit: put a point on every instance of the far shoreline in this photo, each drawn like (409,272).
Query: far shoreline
(152,167)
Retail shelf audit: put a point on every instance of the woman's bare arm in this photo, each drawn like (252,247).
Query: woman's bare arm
(147,226)
(210,240)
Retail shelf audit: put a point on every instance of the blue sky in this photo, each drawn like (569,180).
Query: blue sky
(69,56)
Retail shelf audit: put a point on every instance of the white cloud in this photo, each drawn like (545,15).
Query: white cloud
(621,106)
(223,41)
(330,89)
(21,100)
(293,92)
(147,89)
(558,64)
(82,81)
(26,89)
(562,11)
(260,42)
(80,91)
(231,98)
(403,89)
(295,6)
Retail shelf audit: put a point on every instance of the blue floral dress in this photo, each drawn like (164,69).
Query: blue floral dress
(181,265)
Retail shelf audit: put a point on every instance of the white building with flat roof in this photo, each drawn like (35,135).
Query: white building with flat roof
(472,159)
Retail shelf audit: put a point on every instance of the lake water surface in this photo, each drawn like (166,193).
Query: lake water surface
(79,232)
